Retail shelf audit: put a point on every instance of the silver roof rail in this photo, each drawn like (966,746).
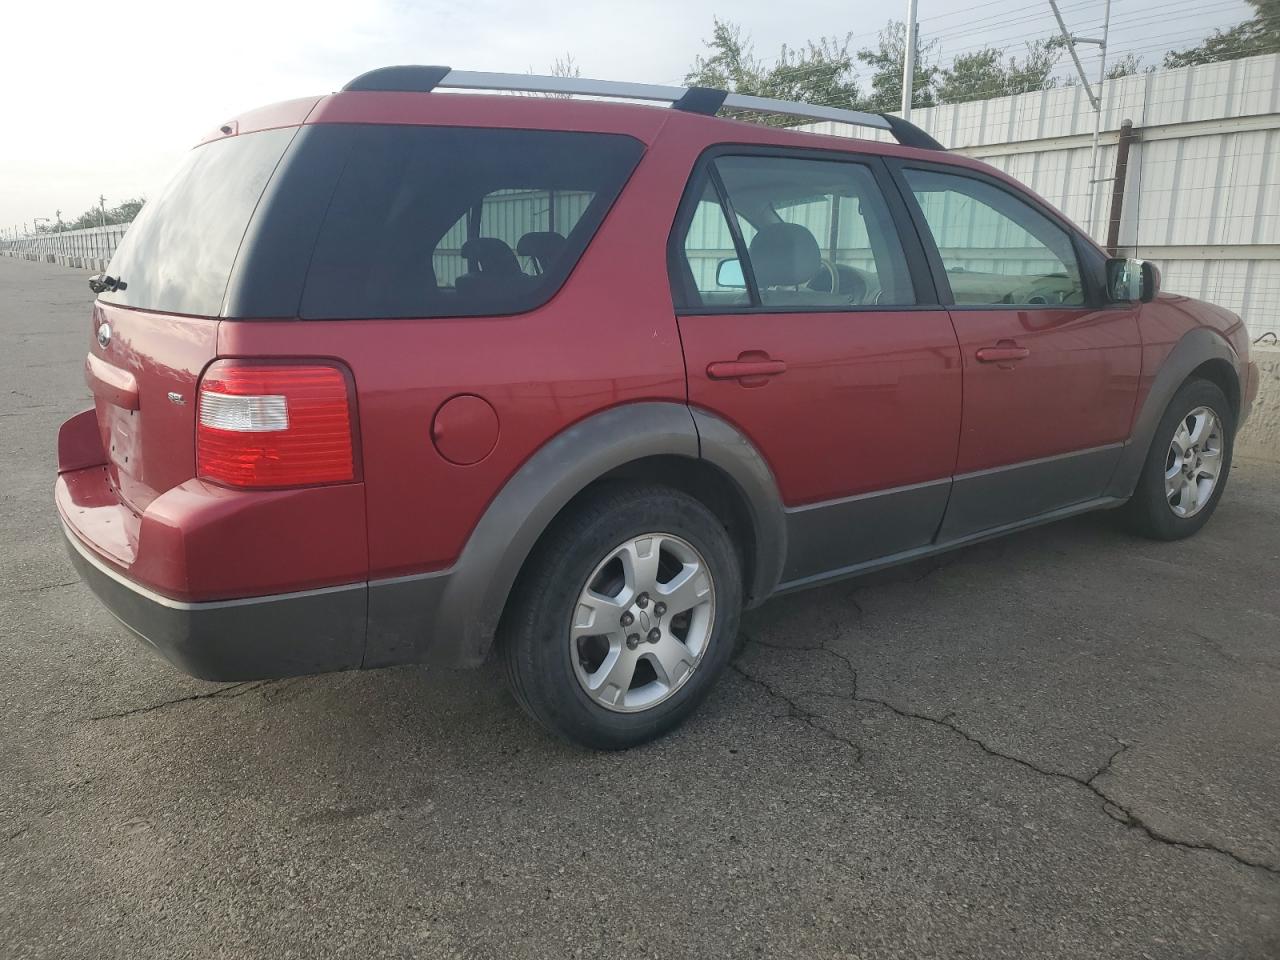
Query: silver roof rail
(703,100)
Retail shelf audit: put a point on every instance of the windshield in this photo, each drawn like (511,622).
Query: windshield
(177,255)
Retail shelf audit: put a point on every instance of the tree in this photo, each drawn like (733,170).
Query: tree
(988,73)
(974,76)
(561,67)
(732,65)
(93,217)
(821,72)
(1035,71)
(1258,35)
(1126,66)
(886,62)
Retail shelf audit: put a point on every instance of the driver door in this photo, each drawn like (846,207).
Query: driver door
(1050,372)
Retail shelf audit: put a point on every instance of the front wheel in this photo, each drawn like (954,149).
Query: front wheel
(624,616)
(1187,467)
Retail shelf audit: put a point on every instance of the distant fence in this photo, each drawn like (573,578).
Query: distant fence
(88,249)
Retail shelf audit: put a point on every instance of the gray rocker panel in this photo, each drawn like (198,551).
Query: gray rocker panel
(839,533)
(988,499)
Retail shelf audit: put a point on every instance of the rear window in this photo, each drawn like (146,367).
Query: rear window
(177,256)
(451,221)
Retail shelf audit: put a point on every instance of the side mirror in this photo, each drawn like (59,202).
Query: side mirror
(1130,280)
(729,274)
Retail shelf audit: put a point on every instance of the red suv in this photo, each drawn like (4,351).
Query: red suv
(397,376)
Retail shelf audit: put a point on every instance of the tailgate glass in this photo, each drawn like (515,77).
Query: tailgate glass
(177,255)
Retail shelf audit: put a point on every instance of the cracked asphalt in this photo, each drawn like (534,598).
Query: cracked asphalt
(1063,744)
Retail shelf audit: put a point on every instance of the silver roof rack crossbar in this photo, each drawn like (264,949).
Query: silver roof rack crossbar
(702,100)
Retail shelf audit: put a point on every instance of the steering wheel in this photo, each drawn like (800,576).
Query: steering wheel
(835,275)
(1049,289)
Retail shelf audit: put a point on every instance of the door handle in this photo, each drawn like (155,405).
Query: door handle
(1004,352)
(746,367)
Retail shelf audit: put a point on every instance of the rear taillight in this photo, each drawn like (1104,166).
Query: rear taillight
(274,425)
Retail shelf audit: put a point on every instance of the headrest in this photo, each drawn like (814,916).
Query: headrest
(784,255)
(543,245)
(492,255)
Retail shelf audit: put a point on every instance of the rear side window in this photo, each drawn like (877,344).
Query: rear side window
(450,221)
(995,248)
(176,257)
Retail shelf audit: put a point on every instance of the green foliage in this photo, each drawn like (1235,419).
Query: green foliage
(1035,71)
(989,73)
(95,217)
(827,72)
(974,76)
(1248,39)
(886,61)
(731,66)
(1126,66)
(821,72)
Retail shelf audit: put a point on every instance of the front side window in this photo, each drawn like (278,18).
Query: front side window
(818,233)
(995,248)
(451,221)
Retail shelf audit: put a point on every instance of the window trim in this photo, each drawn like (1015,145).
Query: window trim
(730,214)
(914,252)
(1089,263)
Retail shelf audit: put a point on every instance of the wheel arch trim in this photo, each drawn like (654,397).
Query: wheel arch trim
(1197,347)
(450,617)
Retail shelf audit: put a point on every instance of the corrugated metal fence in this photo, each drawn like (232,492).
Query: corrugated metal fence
(1202,193)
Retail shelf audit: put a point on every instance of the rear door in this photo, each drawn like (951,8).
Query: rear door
(810,325)
(1050,372)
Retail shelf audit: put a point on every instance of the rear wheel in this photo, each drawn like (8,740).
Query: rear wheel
(1187,467)
(624,616)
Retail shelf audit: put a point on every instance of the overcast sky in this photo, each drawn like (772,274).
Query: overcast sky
(105,97)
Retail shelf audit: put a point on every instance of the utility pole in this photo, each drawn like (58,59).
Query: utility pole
(102,202)
(909,61)
(1095,99)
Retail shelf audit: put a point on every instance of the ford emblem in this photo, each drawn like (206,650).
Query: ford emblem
(104,335)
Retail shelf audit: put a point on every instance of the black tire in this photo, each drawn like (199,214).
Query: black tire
(534,635)
(1148,511)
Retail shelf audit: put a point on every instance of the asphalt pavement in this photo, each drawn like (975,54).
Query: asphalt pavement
(1062,744)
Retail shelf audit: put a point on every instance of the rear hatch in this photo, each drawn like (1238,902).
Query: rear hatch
(155,328)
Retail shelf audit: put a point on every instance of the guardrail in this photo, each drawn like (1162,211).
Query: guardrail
(88,249)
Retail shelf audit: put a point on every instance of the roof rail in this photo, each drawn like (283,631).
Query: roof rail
(703,100)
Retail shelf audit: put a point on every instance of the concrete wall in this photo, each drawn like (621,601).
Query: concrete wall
(1259,439)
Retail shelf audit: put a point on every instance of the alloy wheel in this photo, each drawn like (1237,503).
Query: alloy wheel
(642,622)
(1193,463)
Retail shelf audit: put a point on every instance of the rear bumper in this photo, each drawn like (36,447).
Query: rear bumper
(246,585)
(283,635)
